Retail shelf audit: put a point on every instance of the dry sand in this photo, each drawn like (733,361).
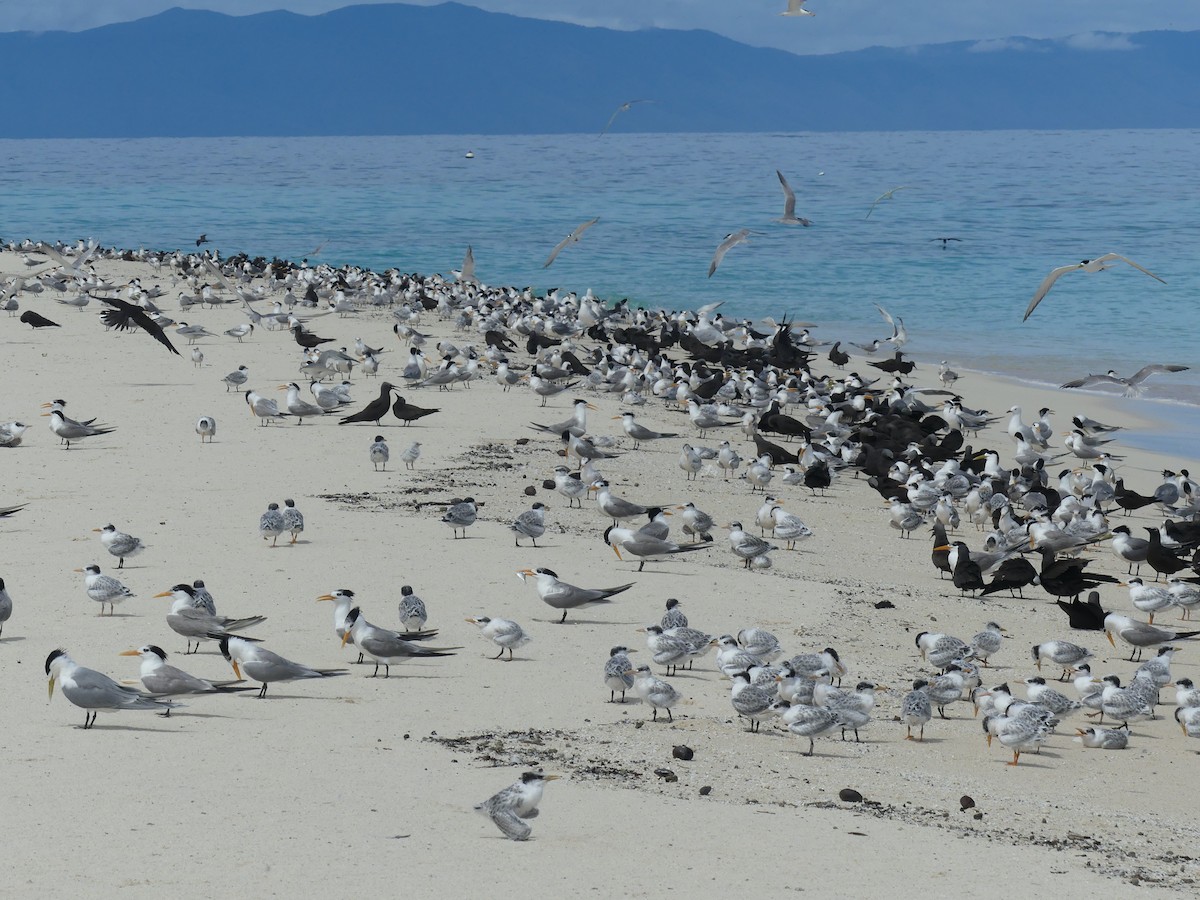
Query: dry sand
(355,786)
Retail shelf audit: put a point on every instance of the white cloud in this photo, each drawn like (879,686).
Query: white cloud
(1095,40)
(999,45)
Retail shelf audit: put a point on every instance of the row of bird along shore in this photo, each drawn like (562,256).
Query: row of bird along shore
(383,772)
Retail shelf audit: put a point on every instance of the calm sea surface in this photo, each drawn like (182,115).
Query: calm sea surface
(1022,203)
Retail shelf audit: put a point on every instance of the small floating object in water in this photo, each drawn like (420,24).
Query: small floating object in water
(470,154)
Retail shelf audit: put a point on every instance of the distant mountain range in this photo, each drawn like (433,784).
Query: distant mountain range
(396,69)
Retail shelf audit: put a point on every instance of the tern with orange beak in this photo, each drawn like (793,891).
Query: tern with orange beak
(560,595)
(261,665)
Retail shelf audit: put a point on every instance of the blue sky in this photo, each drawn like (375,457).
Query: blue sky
(837,25)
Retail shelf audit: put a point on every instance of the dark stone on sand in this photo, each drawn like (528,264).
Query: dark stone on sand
(885,604)
(967,802)
(682,751)
(530,491)
(850,795)
(706,790)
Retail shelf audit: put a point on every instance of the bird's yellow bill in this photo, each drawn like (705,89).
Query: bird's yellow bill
(326,597)
(617,550)
(236,670)
(129,653)
(345,637)
(1108,634)
(165,594)
(51,693)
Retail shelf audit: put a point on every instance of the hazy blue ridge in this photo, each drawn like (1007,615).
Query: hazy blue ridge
(453,69)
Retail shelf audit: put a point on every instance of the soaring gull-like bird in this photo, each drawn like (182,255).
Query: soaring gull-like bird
(1099,264)
(572,238)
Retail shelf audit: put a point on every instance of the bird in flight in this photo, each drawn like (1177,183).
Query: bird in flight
(731,241)
(572,238)
(789,204)
(203,239)
(1132,384)
(125,316)
(945,240)
(1099,264)
(886,195)
(624,107)
(796,8)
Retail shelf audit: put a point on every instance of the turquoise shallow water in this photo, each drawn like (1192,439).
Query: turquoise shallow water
(1022,202)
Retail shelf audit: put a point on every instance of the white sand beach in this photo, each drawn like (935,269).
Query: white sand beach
(356,786)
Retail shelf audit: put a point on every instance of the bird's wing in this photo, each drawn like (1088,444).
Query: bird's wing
(620,109)
(887,317)
(557,250)
(124,316)
(1154,369)
(789,203)
(47,250)
(1044,287)
(218,274)
(511,824)
(1092,379)
(1125,259)
(578,232)
(723,248)
(468,266)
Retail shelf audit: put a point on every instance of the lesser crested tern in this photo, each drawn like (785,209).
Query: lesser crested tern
(385,646)
(262,665)
(561,595)
(161,679)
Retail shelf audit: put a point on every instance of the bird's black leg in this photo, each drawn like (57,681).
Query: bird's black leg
(655,719)
(670,718)
(564,617)
(500,654)
(387,671)
(263,692)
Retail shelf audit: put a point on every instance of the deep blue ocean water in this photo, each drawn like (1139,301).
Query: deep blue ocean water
(1022,203)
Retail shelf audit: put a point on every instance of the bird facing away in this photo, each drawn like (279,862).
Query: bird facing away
(731,241)
(206,427)
(515,803)
(1099,264)
(789,202)
(624,107)
(572,238)
(379,453)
